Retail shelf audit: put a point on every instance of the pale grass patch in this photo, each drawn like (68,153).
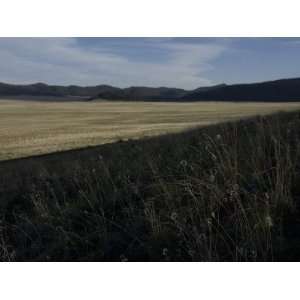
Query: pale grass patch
(31,128)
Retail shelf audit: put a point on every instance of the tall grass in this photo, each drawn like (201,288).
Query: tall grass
(227,192)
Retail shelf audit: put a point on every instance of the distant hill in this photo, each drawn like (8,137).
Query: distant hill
(277,90)
(143,93)
(91,92)
(41,89)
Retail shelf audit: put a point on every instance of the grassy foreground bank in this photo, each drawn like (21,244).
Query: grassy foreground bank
(227,192)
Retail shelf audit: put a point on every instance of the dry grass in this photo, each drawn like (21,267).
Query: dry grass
(30,128)
(226,192)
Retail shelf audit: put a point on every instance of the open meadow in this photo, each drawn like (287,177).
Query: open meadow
(31,127)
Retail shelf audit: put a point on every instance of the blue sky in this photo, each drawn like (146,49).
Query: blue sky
(175,62)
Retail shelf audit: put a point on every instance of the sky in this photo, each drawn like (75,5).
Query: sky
(173,62)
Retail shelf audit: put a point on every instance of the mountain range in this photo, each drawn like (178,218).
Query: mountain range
(277,90)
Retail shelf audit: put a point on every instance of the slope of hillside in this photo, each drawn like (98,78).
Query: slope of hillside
(143,93)
(100,91)
(278,90)
(227,192)
(41,89)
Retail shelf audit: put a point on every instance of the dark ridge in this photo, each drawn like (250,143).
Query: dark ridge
(278,90)
(142,94)
(41,89)
(269,91)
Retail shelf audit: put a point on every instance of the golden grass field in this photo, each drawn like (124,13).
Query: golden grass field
(30,128)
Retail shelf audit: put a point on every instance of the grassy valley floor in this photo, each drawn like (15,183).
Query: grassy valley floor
(32,127)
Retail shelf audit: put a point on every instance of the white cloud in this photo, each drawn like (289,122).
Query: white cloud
(62,61)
